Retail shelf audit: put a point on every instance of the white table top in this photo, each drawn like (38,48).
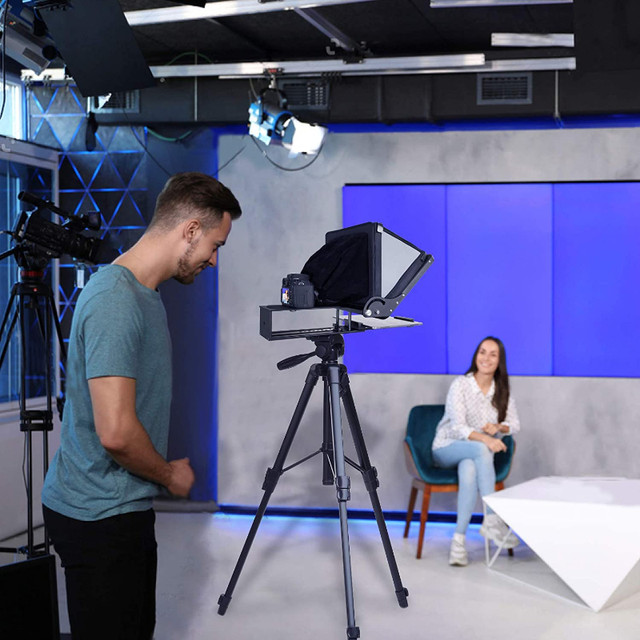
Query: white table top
(593,490)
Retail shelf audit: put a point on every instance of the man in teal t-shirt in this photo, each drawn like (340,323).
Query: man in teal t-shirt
(112,457)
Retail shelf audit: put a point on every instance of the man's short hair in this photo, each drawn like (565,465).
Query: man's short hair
(193,195)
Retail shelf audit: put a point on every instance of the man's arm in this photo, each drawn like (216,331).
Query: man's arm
(125,439)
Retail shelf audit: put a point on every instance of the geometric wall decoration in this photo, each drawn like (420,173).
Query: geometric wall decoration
(585,529)
(16,176)
(116,178)
(110,179)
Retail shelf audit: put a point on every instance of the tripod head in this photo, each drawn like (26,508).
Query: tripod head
(329,348)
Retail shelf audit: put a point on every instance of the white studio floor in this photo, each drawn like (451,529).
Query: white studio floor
(291,586)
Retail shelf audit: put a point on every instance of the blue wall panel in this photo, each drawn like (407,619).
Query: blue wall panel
(552,269)
(417,214)
(499,278)
(597,271)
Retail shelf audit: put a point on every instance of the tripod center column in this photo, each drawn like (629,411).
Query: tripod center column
(343,482)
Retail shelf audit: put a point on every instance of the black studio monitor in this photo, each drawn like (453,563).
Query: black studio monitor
(29,600)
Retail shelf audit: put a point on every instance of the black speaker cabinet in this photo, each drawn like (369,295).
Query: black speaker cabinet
(29,600)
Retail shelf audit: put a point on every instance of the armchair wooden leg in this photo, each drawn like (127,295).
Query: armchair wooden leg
(412,504)
(424,514)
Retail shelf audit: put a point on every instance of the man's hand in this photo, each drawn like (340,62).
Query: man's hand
(182,478)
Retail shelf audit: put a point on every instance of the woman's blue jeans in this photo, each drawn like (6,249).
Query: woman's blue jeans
(476,473)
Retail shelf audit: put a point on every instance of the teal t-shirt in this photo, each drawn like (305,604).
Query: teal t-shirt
(119,328)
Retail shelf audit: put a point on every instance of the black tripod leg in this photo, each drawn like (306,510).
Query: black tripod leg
(327,438)
(28,434)
(12,324)
(56,322)
(343,490)
(370,476)
(270,481)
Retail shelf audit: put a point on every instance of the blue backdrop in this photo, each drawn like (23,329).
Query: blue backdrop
(551,269)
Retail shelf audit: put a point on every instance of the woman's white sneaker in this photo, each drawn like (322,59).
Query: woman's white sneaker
(458,553)
(494,529)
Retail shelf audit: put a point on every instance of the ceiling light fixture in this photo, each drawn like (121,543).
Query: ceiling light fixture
(532,40)
(448,4)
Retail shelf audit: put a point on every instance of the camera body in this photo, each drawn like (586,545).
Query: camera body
(297,291)
(39,240)
(50,240)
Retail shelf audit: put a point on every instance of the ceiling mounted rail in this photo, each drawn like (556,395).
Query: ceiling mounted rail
(223,9)
(365,66)
(464,63)
(416,65)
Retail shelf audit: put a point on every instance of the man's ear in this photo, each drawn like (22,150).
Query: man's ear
(191,229)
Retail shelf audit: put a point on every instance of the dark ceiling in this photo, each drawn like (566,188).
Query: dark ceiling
(380,27)
(340,48)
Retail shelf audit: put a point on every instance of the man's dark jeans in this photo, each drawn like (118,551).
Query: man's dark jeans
(110,572)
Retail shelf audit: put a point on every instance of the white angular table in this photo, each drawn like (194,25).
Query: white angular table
(587,530)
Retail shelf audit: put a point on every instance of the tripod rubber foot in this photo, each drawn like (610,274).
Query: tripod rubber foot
(402,596)
(223,603)
(353,633)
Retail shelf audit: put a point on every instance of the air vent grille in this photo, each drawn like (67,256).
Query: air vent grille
(125,101)
(306,94)
(504,88)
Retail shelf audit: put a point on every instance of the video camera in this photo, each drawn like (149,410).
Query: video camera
(39,240)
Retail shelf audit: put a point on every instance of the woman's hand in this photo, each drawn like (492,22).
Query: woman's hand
(494,444)
(491,428)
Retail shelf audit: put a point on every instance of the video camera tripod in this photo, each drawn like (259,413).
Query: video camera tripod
(31,292)
(329,347)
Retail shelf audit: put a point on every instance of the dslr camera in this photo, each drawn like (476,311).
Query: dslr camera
(297,291)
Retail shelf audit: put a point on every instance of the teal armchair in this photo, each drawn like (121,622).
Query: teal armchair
(428,478)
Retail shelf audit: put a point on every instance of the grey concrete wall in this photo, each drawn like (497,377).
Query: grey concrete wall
(571,426)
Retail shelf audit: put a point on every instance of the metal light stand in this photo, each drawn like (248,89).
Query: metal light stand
(32,292)
(329,348)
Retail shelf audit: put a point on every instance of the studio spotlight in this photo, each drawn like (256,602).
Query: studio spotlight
(266,123)
(302,137)
(271,123)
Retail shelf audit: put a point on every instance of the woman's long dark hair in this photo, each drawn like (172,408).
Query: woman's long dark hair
(501,377)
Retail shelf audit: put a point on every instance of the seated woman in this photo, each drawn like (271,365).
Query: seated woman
(478,413)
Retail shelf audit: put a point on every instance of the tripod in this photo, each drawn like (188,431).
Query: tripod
(32,293)
(329,348)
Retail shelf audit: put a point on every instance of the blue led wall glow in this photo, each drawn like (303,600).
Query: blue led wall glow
(552,269)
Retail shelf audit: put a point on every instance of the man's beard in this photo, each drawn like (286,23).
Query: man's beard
(185,273)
